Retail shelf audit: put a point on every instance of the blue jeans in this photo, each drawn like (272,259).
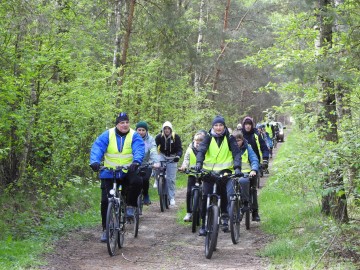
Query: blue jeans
(171,169)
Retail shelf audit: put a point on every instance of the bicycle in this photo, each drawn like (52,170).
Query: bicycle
(195,201)
(140,199)
(212,212)
(162,184)
(115,216)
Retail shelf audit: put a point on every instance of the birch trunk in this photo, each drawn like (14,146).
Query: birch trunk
(199,48)
(125,49)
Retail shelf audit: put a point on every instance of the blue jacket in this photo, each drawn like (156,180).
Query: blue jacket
(100,146)
(253,159)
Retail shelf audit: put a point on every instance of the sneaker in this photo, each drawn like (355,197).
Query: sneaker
(103,237)
(147,200)
(130,211)
(255,216)
(172,202)
(225,223)
(187,217)
(202,231)
(155,184)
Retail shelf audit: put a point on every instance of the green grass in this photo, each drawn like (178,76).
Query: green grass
(290,212)
(20,251)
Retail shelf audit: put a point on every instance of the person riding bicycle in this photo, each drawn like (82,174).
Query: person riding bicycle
(266,137)
(250,167)
(261,150)
(119,146)
(190,161)
(218,152)
(151,156)
(169,145)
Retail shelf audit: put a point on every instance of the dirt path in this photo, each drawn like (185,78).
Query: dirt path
(162,243)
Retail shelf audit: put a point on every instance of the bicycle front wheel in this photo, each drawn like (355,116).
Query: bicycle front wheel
(112,228)
(235,221)
(195,210)
(136,221)
(211,231)
(161,191)
(122,222)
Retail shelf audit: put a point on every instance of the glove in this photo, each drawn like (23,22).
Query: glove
(198,167)
(133,166)
(265,164)
(238,172)
(95,166)
(176,159)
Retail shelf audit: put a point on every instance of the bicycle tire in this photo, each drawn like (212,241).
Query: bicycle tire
(112,228)
(136,222)
(234,221)
(167,201)
(161,193)
(195,210)
(140,203)
(122,222)
(212,231)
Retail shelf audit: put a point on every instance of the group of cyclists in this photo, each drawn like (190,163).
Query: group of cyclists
(241,152)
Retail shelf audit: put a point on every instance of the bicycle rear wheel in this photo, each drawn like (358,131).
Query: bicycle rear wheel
(112,228)
(235,221)
(212,231)
(195,210)
(161,191)
(122,222)
(140,203)
(136,221)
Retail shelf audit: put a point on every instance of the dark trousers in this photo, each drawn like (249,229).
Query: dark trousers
(131,188)
(220,190)
(253,192)
(146,181)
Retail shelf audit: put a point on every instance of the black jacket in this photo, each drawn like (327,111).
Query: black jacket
(169,146)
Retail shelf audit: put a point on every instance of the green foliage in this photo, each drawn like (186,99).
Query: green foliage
(291,204)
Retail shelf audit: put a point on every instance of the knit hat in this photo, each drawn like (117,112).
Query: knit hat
(218,119)
(142,124)
(167,124)
(122,117)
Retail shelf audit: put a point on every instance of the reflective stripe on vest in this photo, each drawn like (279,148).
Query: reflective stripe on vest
(113,157)
(218,158)
(258,146)
(245,164)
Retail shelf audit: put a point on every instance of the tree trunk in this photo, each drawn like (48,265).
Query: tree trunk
(116,60)
(332,203)
(199,48)
(125,49)
(222,46)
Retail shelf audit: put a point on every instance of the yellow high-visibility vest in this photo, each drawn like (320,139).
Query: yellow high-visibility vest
(219,158)
(115,158)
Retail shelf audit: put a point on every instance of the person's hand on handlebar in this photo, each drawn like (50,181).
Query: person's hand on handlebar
(252,173)
(156,165)
(95,166)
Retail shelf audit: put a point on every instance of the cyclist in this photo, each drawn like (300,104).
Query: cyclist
(190,161)
(250,166)
(119,146)
(151,156)
(261,150)
(169,145)
(218,152)
(266,137)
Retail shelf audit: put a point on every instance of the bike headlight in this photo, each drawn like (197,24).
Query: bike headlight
(112,192)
